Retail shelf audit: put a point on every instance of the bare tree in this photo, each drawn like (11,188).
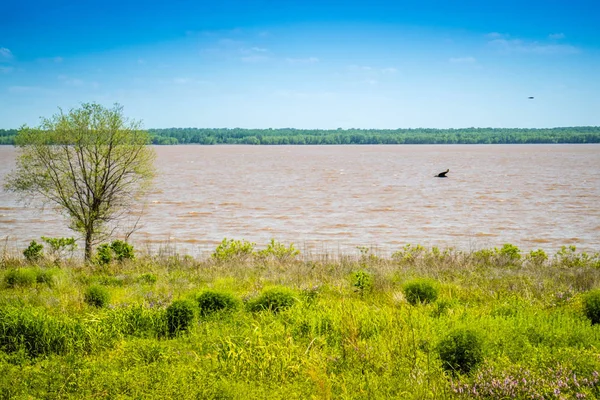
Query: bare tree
(91,162)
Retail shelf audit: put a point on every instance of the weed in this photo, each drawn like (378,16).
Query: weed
(362,281)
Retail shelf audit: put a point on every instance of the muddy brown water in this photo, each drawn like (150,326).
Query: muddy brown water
(335,198)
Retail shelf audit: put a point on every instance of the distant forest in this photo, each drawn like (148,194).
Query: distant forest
(170,136)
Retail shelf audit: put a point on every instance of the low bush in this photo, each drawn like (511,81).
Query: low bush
(591,306)
(508,254)
(97,296)
(137,320)
(147,278)
(537,257)
(210,302)
(36,332)
(122,250)
(362,281)
(117,250)
(104,254)
(59,247)
(24,277)
(21,277)
(230,249)
(34,252)
(279,251)
(461,351)
(420,291)
(179,315)
(274,300)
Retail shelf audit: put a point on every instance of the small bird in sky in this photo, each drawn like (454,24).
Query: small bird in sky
(530,97)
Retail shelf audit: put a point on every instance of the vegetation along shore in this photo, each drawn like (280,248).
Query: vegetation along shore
(250,322)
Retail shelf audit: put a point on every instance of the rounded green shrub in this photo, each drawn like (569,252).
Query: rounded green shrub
(21,277)
(274,300)
(97,296)
(35,331)
(44,276)
(104,254)
(591,306)
(122,250)
(24,277)
(180,315)
(211,301)
(420,291)
(34,251)
(460,351)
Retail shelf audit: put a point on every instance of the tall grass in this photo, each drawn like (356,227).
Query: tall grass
(344,327)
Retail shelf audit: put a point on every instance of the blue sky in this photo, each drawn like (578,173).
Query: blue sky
(305,64)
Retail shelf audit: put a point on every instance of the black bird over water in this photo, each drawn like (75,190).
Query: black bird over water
(442,174)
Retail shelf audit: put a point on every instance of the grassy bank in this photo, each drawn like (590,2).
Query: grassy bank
(425,323)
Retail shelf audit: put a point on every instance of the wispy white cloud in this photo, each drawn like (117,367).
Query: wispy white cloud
(5,54)
(30,90)
(47,60)
(532,47)
(354,67)
(70,81)
(462,60)
(389,70)
(22,89)
(5,70)
(255,58)
(77,82)
(556,36)
(254,50)
(189,81)
(294,94)
(308,60)
(229,42)
(496,35)
(216,32)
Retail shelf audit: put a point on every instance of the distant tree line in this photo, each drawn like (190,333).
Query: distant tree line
(170,136)
(7,136)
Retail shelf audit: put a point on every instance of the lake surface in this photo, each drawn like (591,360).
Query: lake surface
(334,198)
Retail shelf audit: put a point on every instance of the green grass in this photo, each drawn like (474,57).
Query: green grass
(337,333)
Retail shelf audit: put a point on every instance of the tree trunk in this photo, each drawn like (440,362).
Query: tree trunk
(88,246)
